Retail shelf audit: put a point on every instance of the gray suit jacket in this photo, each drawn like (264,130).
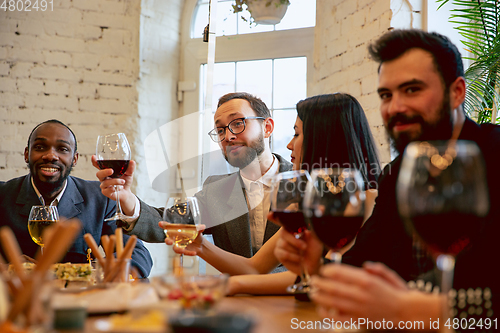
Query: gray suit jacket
(223,209)
(82,199)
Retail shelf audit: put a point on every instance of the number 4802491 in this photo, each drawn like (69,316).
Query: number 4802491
(26,5)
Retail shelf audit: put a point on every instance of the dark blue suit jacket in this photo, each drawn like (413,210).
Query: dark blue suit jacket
(82,199)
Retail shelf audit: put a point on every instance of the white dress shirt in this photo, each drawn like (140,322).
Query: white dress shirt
(259,200)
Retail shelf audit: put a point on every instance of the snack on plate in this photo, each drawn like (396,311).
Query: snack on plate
(27,266)
(73,272)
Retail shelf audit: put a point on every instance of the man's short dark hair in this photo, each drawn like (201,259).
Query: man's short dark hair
(445,54)
(53,121)
(257,105)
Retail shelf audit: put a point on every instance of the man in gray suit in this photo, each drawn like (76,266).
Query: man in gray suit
(51,154)
(234,207)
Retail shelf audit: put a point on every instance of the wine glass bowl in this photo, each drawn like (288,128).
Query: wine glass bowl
(113,152)
(287,194)
(442,194)
(334,203)
(183,215)
(40,219)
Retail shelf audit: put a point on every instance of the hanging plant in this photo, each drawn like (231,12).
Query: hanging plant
(479,23)
(262,11)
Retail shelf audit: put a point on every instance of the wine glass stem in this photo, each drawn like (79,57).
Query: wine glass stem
(336,257)
(446,265)
(118,205)
(304,274)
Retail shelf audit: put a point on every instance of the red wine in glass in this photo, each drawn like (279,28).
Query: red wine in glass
(447,233)
(119,166)
(113,151)
(336,231)
(293,222)
(334,202)
(443,199)
(287,193)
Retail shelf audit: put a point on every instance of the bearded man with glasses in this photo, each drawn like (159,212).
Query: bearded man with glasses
(234,206)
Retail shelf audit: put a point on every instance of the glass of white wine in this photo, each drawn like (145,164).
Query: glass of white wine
(183,215)
(41,218)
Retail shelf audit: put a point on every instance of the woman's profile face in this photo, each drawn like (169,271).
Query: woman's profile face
(295,145)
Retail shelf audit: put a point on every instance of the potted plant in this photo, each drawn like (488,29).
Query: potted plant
(479,23)
(263,11)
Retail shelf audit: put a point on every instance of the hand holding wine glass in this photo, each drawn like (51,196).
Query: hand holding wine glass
(335,203)
(113,151)
(287,194)
(40,219)
(183,216)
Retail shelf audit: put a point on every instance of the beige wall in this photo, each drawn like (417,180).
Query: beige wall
(344,29)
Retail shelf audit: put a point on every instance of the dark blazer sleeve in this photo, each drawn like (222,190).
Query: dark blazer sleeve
(146,226)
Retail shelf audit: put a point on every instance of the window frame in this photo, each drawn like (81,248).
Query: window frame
(244,47)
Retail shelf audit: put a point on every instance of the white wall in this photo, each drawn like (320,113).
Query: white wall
(157,86)
(78,63)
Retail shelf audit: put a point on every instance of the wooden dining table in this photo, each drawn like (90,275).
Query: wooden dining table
(274,314)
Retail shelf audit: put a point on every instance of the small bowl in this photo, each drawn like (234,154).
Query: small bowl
(218,323)
(196,293)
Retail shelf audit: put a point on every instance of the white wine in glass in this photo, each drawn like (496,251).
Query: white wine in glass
(183,215)
(40,219)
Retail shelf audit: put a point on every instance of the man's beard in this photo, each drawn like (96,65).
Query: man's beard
(441,130)
(50,187)
(249,153)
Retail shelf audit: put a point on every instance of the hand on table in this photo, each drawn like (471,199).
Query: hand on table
(127,198)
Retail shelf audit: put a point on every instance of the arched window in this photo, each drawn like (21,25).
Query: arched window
(273,62)
(300,14)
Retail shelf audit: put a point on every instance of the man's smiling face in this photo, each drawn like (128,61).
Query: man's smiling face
(414,102)
(50,156)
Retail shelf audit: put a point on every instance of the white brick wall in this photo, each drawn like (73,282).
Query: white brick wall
(344,29)
(78,63)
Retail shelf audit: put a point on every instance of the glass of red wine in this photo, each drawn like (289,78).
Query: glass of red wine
(443,198)
(113,152)
(287,194)
(335,204)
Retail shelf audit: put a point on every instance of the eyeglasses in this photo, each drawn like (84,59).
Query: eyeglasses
(236,126)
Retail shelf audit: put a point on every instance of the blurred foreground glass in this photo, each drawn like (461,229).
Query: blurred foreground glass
(183,215)
(41,218)
(113,152)
(443,198)
(335,204)
(287,193)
